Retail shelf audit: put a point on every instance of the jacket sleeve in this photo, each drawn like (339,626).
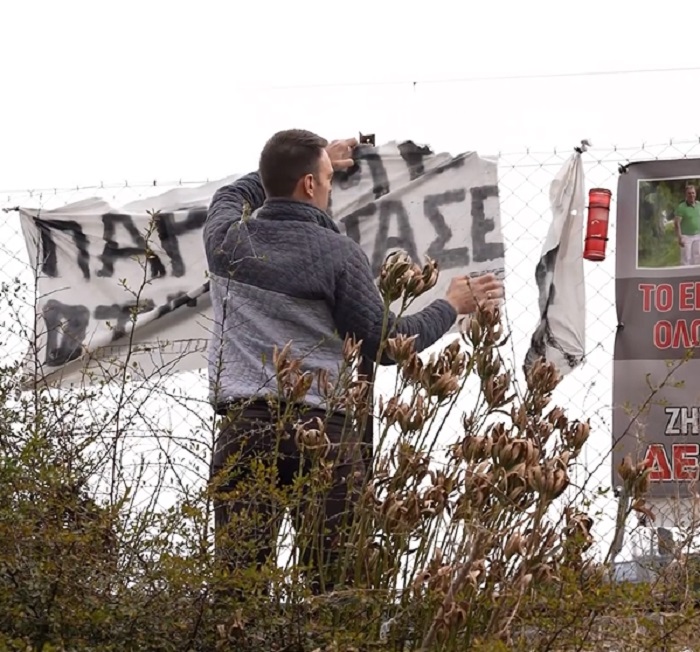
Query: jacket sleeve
(226,208)
(359,310)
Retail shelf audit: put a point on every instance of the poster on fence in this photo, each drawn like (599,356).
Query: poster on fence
(122,290)
(656,393)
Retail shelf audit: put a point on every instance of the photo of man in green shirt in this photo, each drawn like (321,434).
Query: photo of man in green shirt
(687,225)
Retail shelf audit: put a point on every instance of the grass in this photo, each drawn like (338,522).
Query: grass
(665,252)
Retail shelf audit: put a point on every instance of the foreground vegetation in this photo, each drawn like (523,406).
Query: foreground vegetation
(472,541)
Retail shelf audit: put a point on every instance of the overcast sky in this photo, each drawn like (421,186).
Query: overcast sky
(114,90)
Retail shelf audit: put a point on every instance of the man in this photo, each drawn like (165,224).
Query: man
(288,275)
(687,225)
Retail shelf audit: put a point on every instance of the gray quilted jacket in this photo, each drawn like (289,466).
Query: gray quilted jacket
(286,275)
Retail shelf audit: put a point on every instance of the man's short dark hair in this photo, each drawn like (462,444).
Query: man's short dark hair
(287,157)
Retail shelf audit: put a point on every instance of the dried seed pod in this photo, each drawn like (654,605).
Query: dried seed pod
(323,383)
(475,332)
(516,487)
(639,505)
(415,282)
(351,349)
(312,438)
(562,460)
(626,469)
(559,483)
(401,348)
(557,418)
(430,273)
(279,357)
(543,573)
(580,434)
(394,275)
(514,546)
(519,417)
(444,387)
(505,455)
(301,387)
(543,377)
(476,449)
(499,389)
(535,478)
(413,368)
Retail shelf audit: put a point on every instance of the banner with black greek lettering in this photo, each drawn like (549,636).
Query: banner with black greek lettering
(122,290)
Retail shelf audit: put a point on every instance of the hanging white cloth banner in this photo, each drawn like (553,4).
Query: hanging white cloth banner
(122,290)
(560,335)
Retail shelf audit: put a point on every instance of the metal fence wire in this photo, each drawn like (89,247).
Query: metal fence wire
(524,180)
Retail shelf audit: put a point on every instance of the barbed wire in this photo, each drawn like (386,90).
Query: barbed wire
(608,153)
(481,78)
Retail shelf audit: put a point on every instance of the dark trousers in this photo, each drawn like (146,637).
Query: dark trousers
(253,444)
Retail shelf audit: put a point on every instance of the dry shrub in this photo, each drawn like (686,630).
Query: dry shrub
(473,540)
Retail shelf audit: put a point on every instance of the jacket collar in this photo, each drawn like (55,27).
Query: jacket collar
(295,211)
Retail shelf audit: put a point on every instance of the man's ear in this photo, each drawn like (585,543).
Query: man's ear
(309,185)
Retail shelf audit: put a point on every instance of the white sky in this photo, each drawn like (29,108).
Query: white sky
(107,91)
(113,91)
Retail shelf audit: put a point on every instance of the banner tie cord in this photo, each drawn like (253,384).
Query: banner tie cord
(585,144)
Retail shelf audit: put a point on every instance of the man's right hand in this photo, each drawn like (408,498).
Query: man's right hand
(680,241)
(466,294)
(340,153)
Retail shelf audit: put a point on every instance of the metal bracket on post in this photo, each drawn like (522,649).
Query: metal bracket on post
(366,370)
(367,139)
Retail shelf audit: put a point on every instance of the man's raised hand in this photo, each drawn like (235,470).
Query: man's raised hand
(467,294)
(340,153)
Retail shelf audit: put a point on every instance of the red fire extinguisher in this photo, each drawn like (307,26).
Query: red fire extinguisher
(597,224)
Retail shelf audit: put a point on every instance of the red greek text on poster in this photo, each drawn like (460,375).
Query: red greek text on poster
(666,297)
(680,465)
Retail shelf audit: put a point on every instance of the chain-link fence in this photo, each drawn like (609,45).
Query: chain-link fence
(524,180)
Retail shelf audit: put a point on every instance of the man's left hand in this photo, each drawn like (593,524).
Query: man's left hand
(340,153)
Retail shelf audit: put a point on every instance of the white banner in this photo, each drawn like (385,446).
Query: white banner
(122,290)
(560,336)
